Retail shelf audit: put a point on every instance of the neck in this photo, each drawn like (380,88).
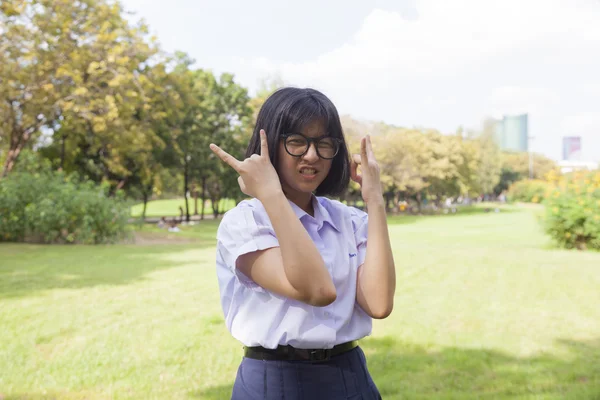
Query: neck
(302,200)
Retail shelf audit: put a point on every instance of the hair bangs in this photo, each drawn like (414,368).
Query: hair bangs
(306,110)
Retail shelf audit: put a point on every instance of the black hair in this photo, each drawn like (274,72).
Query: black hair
(290,109)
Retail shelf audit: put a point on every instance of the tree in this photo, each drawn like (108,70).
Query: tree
(77,65)
(228,125)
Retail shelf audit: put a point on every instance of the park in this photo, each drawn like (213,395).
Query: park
(111,198)
(486,307)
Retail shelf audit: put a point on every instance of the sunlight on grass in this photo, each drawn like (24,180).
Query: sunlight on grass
(170,207)
(485,309)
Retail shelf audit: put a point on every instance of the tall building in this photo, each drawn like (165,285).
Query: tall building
(572,148)
(512,132)
(516,132)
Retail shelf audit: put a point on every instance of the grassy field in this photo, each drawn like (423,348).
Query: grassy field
(485,309)
(170,207)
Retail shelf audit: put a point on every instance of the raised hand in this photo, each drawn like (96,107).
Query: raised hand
(369,180)
(258,177)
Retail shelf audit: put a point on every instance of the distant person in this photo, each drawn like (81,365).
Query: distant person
(173,226)
(162,222)
(299,281)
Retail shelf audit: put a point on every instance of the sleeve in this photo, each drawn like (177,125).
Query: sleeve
(244,230)
(360,225)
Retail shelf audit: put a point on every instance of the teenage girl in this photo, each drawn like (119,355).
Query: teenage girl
(301,276)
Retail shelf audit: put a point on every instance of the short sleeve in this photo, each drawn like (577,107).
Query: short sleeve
(360,225)
(243,230)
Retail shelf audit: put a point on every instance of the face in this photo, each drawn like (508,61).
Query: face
(300,176)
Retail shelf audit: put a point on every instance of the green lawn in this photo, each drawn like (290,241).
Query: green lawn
(170,207)
(485,309)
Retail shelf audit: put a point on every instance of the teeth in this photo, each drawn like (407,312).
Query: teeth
(308,171)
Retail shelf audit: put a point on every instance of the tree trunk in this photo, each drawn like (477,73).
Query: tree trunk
(195,200)
(122,183)
(215,206)
(185,190)
(18,139)
(203,197)
(145,204)
(11,158)
(388,201)
(419,201)
(16,145)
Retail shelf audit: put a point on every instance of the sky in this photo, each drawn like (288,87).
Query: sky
(414,63)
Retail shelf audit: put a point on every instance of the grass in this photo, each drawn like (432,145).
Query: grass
(485,309)
(170,207)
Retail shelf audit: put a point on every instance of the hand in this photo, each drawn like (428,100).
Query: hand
(369,180)
(258,177)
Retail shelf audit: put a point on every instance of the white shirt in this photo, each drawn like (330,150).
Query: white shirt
(258,317)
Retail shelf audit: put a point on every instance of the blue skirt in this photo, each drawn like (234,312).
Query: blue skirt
(343,377)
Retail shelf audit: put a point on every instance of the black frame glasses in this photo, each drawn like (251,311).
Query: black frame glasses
(336,142)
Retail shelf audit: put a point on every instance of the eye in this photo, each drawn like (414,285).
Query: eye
(326,144)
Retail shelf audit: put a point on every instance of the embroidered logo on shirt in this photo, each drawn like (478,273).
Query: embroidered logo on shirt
(352,255)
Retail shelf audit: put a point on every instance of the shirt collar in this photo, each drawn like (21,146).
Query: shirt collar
(321,213)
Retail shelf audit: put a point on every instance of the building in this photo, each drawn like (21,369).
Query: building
(572,148)
(512,132)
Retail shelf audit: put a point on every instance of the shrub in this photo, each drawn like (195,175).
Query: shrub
(572,216)
(48,207)
(529,191)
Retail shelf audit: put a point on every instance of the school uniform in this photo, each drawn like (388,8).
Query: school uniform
(293,350)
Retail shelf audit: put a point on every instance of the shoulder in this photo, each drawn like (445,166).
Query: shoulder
(247,214)
(243,207)
(342,213)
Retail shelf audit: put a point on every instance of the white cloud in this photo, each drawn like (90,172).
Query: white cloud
(583,122)
(519,100)
(461,61)
(448,37)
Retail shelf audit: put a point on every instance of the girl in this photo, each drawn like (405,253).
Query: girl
(299,281)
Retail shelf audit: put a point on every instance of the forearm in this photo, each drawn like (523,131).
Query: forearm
(378,273)
(303,264)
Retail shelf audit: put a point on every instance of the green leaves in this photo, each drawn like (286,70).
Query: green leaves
(48,207)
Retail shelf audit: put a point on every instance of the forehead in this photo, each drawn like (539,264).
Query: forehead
(314,128)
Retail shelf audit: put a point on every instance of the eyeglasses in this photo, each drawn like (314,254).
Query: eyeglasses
(297,145)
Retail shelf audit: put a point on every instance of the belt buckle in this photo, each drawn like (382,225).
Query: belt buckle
(320,355)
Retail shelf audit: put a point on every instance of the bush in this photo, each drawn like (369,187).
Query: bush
(572,215)
(48,207)
(529,191)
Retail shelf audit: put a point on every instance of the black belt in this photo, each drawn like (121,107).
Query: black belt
(289,353)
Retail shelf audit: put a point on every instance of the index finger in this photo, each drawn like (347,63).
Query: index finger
(370,148)
(363,149)
(264,145)
(226,157)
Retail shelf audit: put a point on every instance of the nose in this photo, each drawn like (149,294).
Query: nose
(311,155)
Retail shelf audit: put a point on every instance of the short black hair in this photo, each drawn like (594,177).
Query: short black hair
(289,109)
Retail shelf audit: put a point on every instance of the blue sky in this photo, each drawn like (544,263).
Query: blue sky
(431,63)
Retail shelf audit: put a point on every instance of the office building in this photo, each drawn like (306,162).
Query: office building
(572,148)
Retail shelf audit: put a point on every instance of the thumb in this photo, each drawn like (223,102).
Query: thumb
(242,185)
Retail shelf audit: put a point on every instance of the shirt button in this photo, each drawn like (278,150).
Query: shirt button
(327,314)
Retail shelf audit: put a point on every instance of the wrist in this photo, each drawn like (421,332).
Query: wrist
(272,197)
(375,201)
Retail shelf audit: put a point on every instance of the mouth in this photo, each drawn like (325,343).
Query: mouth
(308,172)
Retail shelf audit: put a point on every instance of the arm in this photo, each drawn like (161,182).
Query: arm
(376,277)
(296,268)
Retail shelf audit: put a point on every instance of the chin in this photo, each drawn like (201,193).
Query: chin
(304,187)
